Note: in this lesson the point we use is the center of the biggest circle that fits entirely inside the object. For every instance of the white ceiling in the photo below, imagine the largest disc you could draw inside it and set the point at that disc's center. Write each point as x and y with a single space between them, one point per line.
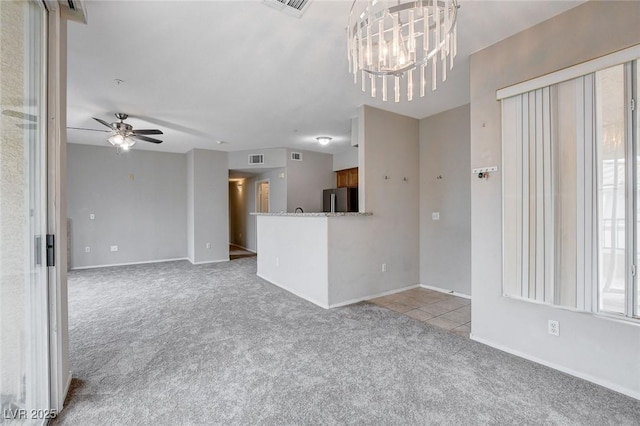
246 74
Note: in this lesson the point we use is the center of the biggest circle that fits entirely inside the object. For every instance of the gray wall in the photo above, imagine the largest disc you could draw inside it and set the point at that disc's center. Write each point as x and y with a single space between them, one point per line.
294 184
190 206
389 146
273 157
277 200
139 202
210 206
300 184
445 244
347 159
589 346
307 178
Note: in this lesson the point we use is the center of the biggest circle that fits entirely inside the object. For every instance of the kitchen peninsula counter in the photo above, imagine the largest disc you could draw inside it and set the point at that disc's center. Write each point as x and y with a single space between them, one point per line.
325 258
314 214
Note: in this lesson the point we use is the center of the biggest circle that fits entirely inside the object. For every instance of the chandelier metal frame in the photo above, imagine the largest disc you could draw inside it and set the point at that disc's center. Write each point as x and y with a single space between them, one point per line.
392 39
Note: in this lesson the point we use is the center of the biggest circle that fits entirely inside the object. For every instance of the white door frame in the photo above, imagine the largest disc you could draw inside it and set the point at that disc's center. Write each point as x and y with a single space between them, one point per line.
60 376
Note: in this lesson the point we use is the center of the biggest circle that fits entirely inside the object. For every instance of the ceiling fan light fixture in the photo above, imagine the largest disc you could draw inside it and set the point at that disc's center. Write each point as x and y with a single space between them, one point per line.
324 140
116 140
124 136
128 143
120 141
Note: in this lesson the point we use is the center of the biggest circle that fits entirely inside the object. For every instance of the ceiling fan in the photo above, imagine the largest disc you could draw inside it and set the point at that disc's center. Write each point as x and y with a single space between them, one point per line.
124 134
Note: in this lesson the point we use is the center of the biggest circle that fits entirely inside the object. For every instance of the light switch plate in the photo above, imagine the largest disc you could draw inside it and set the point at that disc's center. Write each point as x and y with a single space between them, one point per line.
92 216
435 216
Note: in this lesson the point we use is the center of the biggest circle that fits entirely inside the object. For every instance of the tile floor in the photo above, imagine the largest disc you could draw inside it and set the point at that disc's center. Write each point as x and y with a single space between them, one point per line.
442 310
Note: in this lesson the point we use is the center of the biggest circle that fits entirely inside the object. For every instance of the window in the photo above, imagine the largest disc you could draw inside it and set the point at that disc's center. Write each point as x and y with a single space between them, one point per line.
636 193
571 189
611 143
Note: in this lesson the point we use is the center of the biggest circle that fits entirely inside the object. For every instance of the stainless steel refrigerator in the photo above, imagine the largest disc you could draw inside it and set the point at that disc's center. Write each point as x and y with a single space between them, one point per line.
346 199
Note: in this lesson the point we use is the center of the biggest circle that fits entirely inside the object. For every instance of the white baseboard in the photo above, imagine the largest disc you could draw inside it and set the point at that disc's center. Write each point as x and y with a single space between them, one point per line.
605 383
66 388
375 296
128 263
444 290
346 302
208 261
302 296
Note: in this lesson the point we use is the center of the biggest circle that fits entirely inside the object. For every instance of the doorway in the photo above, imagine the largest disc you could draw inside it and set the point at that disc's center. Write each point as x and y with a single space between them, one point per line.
262 196
238 215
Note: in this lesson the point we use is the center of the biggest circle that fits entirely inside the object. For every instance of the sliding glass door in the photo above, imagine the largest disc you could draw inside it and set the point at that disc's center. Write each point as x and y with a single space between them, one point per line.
24 359
611 146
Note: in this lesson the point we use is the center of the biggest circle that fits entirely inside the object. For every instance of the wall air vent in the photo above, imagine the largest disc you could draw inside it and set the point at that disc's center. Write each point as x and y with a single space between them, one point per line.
290 7
296 156
256 159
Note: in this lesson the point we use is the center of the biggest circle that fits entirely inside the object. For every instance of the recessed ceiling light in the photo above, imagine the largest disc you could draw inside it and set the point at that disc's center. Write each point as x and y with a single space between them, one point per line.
324 140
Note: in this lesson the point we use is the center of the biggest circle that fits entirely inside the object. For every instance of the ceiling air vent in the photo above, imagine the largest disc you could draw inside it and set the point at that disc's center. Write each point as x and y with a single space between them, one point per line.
296 156
290 7
256 159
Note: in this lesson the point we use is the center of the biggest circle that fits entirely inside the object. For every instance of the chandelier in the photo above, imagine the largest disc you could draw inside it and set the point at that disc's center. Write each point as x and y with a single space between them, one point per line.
399 40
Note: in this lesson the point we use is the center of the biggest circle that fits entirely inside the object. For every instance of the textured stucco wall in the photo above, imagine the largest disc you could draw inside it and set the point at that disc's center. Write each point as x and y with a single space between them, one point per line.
13 220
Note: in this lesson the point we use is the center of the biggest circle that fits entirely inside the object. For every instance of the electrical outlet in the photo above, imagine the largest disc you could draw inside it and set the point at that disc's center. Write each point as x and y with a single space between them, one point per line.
208 245
92 216
554 328
114 248
384 267
435 216
87 249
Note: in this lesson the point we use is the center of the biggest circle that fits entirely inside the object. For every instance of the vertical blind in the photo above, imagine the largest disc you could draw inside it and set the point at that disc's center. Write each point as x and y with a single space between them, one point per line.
548 162
571 186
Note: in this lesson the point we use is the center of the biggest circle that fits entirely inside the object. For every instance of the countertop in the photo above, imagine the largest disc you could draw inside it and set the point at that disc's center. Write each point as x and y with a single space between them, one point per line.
314 214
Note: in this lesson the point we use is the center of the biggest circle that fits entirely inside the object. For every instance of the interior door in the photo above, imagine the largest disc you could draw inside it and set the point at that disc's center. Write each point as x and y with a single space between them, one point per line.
262 198
24 348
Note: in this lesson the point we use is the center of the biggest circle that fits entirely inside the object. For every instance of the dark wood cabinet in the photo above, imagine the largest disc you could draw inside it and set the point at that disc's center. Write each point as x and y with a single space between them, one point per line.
347 178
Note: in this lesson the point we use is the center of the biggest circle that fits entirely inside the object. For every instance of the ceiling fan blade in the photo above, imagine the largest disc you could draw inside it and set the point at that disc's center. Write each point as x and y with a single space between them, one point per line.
147 132
170 125
91 130
146 139
103 122
20 115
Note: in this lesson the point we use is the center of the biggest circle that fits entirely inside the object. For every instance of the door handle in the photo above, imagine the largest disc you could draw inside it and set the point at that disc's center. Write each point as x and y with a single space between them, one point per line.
51 253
